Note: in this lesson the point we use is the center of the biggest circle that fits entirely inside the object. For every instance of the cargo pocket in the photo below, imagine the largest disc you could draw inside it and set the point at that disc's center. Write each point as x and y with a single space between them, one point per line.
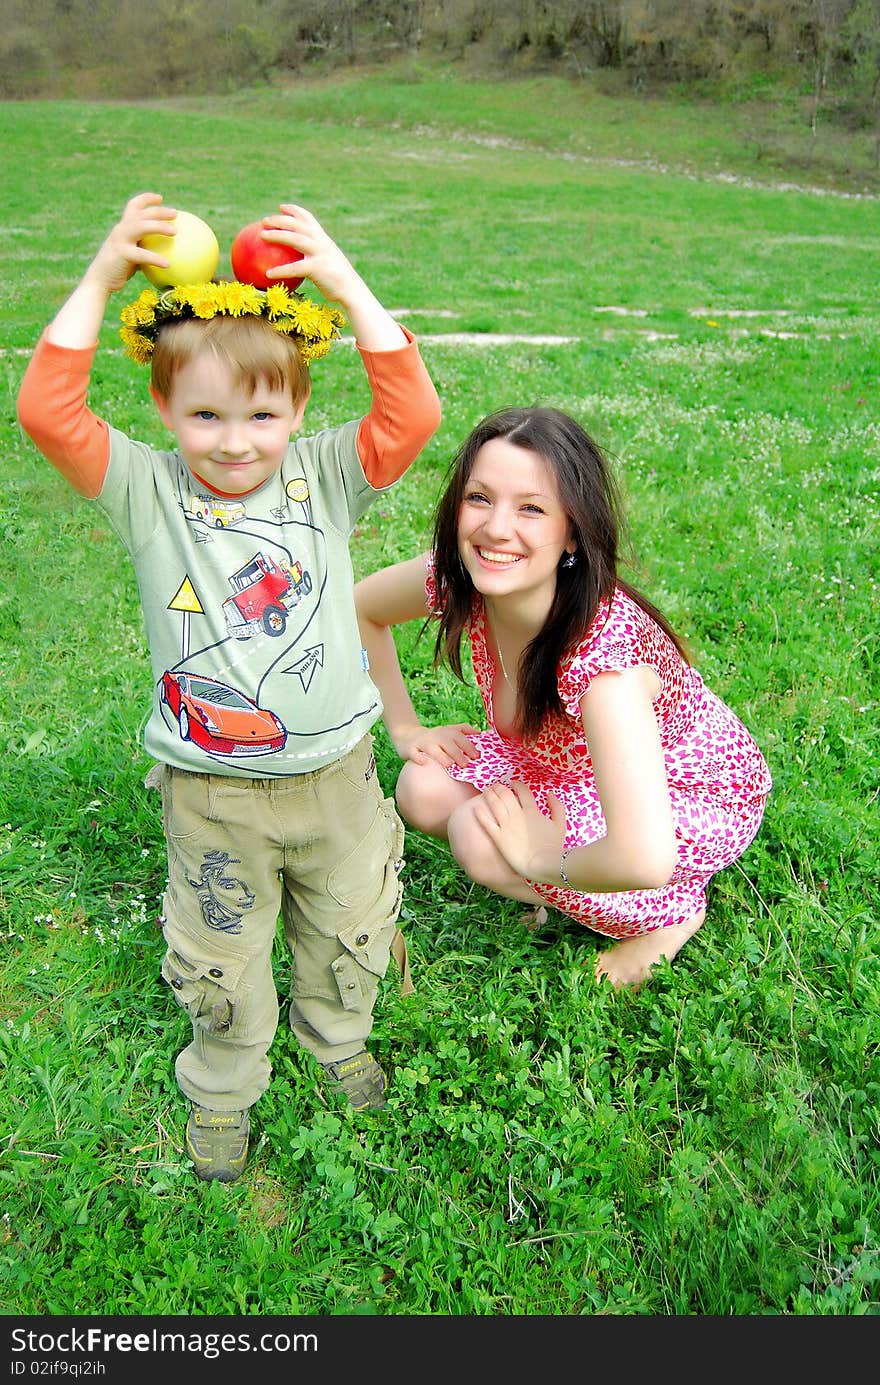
367 940
357 987
206 990
358 870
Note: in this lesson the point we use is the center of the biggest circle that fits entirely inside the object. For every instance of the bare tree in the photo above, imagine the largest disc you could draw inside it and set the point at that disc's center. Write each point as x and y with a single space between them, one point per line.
817 26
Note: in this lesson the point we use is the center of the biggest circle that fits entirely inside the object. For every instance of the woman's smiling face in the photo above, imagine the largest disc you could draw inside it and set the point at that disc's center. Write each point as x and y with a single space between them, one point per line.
512 529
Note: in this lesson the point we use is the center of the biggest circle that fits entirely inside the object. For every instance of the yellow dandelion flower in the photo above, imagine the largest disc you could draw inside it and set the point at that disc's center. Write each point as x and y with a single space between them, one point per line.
141 313
241 298
138 347
307 316
326 327
202 298
277 300
317 349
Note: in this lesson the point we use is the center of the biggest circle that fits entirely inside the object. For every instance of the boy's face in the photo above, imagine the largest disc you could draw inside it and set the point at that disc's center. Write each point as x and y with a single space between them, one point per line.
232 440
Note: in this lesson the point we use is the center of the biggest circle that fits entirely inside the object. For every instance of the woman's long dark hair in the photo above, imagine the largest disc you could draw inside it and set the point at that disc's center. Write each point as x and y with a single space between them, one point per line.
588 495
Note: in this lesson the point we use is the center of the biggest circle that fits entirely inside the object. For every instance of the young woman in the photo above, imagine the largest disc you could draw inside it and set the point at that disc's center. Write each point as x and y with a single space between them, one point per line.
611 783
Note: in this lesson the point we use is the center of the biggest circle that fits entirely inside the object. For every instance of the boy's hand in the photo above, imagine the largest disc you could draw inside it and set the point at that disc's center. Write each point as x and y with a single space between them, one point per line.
333 275
78 321
323 262
448 745
121 255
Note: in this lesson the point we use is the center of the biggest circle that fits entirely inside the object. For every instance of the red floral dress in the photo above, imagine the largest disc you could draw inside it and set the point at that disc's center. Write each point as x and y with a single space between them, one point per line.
718 778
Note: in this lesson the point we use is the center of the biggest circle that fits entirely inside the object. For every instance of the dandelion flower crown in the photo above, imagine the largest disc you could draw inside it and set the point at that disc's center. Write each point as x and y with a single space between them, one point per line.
313 326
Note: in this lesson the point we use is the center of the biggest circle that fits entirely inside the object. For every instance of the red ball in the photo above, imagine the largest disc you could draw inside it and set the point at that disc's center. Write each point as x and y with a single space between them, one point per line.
251 256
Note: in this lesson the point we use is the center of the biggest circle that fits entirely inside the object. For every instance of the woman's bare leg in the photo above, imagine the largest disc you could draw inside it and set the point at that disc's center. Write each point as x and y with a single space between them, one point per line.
482 860
428 799
628 962
426 796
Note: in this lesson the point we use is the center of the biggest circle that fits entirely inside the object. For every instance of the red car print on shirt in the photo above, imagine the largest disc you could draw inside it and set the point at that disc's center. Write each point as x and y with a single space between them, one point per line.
220 718
264 594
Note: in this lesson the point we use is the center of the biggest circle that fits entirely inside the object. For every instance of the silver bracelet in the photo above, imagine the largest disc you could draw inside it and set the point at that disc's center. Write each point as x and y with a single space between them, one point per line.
562 874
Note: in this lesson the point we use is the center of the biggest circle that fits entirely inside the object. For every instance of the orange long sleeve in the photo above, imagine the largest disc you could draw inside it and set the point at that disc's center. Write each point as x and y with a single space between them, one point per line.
404 414
52 410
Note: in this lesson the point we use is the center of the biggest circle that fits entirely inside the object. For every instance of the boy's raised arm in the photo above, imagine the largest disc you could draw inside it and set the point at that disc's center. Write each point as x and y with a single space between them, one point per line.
405 410
52 407
77 323
333 273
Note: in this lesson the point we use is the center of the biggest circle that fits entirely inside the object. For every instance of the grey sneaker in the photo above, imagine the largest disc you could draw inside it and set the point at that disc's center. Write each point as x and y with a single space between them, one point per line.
360 1079
217 1143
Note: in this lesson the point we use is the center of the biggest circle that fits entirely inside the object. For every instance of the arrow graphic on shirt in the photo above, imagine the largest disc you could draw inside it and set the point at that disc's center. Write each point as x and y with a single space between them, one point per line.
186 601
305 667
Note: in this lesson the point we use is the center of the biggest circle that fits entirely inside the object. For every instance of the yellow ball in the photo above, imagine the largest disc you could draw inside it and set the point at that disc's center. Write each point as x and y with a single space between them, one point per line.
193 253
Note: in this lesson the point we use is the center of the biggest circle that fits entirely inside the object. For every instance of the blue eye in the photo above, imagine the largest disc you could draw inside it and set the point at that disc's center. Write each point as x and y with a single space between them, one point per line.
205 414
261 415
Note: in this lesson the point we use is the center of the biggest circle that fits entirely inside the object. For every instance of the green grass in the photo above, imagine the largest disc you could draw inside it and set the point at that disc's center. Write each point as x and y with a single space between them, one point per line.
708 1146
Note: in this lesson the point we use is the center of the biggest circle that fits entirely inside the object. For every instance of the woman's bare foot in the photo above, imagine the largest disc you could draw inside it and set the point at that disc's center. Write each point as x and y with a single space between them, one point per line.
628 963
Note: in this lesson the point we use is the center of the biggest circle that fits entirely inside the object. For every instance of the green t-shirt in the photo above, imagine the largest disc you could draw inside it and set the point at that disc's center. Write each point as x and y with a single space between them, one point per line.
258 669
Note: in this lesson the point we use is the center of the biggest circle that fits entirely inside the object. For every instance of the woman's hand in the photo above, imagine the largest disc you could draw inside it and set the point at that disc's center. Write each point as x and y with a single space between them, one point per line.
530 842
448 745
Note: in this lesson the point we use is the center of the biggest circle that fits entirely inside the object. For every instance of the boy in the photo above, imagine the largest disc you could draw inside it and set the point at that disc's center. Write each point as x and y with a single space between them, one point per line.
262 705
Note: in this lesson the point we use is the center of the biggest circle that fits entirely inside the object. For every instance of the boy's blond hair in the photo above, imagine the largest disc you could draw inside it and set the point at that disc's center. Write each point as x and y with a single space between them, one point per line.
255 353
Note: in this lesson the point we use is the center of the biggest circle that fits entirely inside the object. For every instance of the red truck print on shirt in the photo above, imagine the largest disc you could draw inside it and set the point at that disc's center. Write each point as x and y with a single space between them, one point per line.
264 594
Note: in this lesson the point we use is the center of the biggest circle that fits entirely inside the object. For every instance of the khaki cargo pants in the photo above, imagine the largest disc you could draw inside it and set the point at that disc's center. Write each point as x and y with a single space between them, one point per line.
323 850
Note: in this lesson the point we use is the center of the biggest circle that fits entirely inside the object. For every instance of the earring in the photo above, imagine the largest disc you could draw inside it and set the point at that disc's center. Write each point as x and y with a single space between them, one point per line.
569 560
